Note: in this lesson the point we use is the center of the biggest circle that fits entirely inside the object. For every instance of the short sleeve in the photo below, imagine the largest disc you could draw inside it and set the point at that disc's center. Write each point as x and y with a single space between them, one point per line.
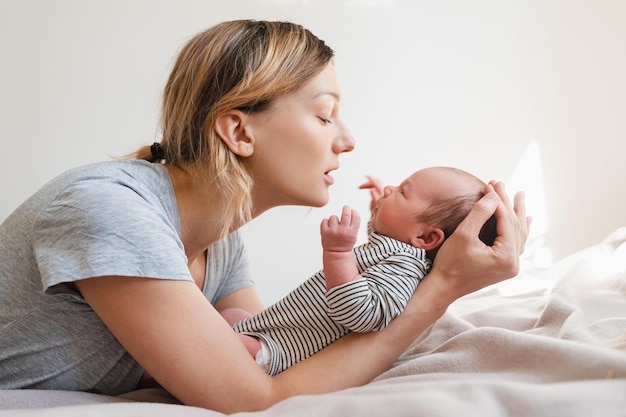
228 268
103 226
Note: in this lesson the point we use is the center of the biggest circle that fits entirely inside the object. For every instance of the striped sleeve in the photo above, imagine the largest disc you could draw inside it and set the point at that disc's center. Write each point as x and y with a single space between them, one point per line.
370 303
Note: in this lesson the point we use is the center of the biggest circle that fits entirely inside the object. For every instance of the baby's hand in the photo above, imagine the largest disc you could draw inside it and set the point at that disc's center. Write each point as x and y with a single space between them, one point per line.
375 187
340 234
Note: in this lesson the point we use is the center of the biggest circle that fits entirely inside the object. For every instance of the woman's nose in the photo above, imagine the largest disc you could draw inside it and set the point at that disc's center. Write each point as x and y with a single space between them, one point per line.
345 142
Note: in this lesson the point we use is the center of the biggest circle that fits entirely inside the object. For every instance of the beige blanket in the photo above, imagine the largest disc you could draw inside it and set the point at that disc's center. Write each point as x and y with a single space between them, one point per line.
558 349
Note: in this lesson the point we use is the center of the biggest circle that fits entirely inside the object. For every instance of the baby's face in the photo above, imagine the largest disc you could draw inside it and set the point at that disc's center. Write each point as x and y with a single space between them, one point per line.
395 212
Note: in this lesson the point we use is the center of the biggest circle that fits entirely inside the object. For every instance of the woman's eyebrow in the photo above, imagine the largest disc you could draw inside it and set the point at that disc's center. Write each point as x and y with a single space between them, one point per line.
323 93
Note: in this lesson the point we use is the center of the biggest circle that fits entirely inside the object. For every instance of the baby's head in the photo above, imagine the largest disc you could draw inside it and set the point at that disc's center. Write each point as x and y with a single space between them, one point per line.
428 206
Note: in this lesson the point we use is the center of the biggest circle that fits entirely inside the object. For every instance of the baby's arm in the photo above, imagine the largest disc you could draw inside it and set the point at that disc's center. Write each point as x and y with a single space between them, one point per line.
370 303
338 239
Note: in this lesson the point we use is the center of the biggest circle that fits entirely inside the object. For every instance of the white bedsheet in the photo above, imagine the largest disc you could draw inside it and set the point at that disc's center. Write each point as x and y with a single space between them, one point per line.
558 349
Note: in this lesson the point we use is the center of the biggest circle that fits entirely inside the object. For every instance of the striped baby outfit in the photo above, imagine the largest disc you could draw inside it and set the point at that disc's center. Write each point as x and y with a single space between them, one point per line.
310 318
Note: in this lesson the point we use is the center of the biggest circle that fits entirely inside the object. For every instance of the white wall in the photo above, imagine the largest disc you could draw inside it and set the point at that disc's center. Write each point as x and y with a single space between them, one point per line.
454 82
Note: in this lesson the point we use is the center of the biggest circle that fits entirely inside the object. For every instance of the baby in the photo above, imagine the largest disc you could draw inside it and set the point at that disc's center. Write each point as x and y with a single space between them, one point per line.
361 289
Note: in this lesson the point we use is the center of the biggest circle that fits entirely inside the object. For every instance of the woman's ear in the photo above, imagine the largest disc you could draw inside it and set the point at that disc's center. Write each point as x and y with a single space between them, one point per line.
229 126
428 238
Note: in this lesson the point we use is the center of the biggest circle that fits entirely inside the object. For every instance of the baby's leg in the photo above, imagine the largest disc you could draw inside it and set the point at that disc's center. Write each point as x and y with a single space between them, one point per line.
232 316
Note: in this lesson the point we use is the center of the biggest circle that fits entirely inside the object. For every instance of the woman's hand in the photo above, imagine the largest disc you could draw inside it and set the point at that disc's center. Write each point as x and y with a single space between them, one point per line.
465 264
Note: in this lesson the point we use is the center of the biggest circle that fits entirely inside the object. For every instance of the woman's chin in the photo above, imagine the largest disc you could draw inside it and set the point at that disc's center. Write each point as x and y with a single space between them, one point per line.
320 201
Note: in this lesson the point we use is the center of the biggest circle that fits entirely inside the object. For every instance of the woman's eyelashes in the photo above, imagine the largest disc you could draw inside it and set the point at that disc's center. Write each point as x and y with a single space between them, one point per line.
326 114
324 120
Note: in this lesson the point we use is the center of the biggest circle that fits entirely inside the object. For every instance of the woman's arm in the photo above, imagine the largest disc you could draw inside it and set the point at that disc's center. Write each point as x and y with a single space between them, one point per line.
245 299
180 339
172 330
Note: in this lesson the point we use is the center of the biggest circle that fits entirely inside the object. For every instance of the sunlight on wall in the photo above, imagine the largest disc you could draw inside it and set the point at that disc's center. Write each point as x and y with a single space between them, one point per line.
528 177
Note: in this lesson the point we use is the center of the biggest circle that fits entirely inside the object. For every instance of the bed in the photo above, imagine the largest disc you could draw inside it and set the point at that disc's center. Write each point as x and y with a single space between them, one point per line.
551 342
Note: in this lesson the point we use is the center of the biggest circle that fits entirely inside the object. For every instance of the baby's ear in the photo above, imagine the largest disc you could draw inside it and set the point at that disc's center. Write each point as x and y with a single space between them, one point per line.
230 127
428 238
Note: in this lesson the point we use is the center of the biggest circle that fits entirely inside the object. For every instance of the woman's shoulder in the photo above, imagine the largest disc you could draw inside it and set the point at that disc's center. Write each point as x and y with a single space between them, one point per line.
120 182
110 183
141 175
118 169
138 176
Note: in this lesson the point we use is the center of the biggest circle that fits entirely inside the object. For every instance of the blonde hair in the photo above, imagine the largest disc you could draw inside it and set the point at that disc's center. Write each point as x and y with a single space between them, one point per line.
242 64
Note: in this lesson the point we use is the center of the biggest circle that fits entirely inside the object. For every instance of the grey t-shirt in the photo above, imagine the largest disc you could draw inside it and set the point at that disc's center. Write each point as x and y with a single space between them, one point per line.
117 218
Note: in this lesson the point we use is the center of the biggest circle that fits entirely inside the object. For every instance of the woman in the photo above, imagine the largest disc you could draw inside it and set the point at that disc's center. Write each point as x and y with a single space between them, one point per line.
138 257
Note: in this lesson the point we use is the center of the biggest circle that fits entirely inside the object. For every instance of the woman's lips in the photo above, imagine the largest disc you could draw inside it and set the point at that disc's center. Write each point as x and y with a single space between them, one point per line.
329 179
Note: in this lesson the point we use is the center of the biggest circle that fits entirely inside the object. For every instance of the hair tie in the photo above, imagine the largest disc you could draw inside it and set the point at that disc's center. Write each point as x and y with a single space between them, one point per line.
158 154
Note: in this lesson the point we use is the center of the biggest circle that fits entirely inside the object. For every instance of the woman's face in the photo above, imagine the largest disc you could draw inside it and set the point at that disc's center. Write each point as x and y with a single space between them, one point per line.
297 143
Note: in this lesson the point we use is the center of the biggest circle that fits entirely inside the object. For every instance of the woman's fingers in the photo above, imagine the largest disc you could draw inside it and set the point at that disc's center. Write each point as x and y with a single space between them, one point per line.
499 188
523 223
480 213
511 218
466 262
524 220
